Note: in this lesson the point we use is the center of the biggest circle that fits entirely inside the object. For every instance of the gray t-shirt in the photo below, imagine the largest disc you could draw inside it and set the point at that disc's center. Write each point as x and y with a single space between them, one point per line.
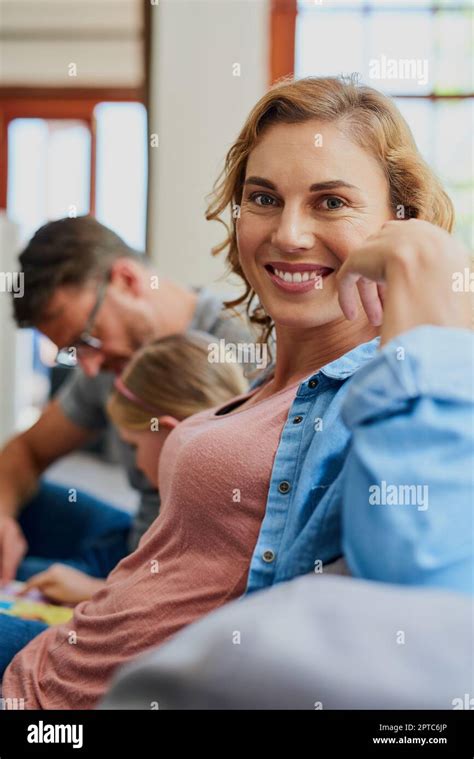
83 400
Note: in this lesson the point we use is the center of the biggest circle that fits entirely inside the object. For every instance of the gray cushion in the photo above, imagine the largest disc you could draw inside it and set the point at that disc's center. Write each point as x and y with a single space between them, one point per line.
316 642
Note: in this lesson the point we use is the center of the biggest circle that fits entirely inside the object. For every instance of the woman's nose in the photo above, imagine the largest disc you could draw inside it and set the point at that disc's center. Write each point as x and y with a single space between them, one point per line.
293 231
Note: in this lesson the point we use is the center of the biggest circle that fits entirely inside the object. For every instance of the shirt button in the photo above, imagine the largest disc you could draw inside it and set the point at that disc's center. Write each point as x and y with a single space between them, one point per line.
284 486
268 556
313 383
297 419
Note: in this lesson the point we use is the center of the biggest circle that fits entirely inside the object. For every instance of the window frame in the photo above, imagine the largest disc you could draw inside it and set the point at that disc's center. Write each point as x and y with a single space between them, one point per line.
69 103
61 104
283 16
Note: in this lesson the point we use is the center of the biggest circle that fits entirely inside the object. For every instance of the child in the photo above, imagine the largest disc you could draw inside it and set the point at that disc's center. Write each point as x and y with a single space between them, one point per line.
166 381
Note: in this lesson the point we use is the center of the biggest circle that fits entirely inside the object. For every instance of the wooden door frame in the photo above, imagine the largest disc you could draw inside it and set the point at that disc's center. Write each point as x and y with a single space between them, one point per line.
282 39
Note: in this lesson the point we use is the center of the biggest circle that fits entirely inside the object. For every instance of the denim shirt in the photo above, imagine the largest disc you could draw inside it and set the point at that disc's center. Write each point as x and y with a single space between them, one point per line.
406 418
301 529
408 502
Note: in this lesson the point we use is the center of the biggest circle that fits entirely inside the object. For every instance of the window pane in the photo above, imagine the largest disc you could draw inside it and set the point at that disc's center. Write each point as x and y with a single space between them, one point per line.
453 157
377 4
463 200
442 131
400 52
456 3
27 155
69 169
419 115
323 4
122 170
405 4
48 171
454 72
328 43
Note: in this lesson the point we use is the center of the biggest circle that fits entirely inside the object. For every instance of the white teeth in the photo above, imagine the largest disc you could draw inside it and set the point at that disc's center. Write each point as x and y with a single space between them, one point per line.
297 276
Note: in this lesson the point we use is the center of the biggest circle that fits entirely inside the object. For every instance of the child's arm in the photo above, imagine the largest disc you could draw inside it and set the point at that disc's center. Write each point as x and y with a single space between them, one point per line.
64 584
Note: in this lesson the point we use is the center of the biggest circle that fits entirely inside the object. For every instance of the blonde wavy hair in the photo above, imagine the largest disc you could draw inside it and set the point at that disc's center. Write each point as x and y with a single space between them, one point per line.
174 376
368 118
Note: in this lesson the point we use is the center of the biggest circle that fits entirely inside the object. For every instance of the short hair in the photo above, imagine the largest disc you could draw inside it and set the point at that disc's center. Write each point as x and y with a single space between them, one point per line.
69 251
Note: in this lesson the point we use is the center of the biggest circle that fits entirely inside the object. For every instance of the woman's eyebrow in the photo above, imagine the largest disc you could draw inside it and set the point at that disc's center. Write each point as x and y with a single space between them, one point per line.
260 181
331 184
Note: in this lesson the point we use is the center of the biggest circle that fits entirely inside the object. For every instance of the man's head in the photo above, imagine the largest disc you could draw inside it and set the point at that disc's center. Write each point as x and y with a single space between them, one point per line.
81 277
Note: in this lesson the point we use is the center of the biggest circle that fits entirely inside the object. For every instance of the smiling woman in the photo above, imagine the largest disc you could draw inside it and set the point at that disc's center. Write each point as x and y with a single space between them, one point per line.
268 496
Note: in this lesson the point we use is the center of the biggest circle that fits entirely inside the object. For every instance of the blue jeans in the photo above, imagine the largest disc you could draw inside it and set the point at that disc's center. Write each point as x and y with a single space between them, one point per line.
87 534
15 634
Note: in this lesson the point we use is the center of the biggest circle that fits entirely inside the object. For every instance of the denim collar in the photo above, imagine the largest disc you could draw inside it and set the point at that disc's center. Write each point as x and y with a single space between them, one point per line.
342 368
348 364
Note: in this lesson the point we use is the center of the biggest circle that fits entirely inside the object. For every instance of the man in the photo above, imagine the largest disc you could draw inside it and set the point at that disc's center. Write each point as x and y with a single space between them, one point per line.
96 299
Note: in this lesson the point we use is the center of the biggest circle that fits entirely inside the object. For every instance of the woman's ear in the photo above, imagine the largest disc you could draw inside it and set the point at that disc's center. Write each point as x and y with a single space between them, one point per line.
170 422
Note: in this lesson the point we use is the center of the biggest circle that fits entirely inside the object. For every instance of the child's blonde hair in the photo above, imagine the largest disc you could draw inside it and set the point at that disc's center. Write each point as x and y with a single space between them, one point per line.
173 376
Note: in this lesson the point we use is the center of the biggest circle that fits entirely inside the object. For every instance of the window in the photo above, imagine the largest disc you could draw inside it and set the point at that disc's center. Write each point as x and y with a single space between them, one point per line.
68 154
70 160
48 171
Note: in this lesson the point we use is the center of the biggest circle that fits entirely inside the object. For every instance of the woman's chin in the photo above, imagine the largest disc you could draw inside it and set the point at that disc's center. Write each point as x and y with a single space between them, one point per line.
307 319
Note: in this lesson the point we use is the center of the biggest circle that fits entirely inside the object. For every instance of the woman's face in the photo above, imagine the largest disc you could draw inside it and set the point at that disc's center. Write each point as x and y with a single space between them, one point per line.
310 198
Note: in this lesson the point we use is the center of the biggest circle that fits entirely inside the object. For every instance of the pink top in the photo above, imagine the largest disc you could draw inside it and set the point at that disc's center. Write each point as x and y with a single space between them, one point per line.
214 479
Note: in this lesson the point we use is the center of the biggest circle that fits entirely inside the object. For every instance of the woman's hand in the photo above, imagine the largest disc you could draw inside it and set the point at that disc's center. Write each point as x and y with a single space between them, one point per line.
64 584
404 275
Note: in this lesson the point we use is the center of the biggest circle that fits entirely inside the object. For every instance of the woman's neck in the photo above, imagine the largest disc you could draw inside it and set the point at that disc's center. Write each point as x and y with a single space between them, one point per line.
302 352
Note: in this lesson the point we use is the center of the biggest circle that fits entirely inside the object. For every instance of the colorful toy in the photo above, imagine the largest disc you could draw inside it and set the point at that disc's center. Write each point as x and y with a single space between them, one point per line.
31 605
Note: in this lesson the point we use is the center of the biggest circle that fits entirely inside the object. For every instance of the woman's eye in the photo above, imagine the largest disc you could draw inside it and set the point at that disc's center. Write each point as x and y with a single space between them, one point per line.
262 200
333 203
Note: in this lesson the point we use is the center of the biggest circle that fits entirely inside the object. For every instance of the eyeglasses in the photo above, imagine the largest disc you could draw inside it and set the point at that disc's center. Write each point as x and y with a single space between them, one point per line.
68 355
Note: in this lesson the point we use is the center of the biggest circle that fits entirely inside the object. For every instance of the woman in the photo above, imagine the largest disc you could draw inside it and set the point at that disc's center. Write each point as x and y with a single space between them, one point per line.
251 492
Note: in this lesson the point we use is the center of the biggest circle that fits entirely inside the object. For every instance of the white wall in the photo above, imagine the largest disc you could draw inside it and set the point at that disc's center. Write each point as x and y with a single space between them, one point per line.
197 109
13 350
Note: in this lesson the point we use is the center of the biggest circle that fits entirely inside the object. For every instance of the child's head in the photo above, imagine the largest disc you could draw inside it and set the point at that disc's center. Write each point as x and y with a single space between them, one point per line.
165 382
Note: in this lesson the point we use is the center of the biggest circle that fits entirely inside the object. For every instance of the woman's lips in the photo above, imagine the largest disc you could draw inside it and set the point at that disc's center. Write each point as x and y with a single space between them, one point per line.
297 278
